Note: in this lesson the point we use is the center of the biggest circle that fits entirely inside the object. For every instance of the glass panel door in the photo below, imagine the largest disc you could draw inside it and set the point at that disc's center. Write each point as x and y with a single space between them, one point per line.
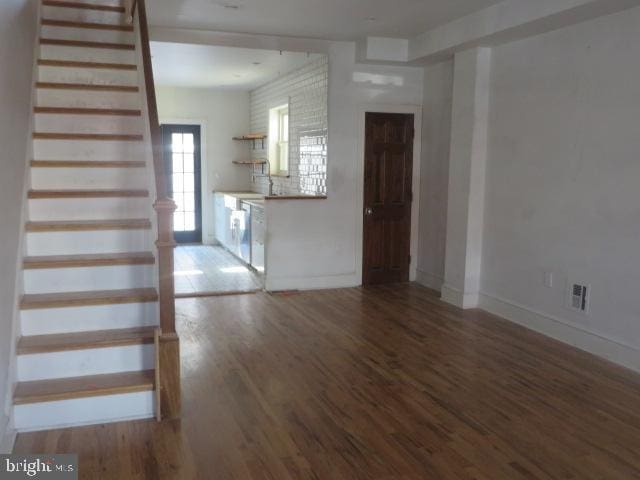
182 165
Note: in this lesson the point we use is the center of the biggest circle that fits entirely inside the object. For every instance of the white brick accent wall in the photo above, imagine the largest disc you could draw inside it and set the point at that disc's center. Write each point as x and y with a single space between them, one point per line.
305 90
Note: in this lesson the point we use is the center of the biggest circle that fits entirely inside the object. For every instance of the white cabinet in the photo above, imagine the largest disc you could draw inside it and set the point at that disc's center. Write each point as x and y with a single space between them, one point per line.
258 233
223 222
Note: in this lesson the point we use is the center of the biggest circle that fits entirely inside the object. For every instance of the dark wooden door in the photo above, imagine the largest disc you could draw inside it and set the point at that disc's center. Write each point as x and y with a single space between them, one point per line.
182 164
388 172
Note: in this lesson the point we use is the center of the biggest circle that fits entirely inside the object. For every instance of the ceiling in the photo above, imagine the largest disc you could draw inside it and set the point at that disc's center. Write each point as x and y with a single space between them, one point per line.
205 66
325 19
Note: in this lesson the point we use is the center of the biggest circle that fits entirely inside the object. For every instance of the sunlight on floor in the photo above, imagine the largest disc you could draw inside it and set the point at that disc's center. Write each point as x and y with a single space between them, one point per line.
185 273
234 270
212 269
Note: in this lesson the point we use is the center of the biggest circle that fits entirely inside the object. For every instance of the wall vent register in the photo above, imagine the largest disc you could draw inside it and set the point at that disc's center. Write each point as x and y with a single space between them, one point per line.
579 297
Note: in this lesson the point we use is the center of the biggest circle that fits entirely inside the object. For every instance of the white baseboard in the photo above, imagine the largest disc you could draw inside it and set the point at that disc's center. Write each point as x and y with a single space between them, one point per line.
561 330
7 435
429 280
276 284
459 299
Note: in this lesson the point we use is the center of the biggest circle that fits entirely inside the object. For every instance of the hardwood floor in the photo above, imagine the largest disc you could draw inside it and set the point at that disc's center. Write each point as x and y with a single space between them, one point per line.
384 383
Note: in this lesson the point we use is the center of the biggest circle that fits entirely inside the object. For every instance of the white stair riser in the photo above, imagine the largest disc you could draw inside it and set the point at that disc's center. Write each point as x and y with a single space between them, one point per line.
115 277
85 54
81 15
88 208
108 241
104 124
103 178
77 363
88 150
87 34
114 3
87 98
83 411
94 76
48 321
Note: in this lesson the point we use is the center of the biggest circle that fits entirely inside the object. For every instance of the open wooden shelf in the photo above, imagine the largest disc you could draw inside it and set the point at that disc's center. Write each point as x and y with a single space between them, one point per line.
252 137
250 162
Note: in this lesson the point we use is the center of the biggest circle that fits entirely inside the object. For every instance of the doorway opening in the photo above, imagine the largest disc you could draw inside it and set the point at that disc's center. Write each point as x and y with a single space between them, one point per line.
387 191
200 270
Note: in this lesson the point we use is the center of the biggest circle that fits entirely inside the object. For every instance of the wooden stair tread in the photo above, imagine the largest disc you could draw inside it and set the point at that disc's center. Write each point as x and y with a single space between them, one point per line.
89 225
87 164
64 342
87 86
91 260
86 44
41 194
82 387
89 111
86 25
112 137
77 64
83 6
93 297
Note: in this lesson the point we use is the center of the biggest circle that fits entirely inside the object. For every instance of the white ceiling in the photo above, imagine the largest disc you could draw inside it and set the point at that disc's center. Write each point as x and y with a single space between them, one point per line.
326 19
205 66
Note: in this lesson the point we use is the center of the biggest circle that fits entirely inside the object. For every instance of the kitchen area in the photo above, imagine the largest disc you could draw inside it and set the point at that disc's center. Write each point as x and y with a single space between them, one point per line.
261 143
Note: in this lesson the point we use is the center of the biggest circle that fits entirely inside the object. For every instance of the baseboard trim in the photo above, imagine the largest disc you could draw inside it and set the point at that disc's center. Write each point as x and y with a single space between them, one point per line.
559 329
459 299
277 284
7 435
433 282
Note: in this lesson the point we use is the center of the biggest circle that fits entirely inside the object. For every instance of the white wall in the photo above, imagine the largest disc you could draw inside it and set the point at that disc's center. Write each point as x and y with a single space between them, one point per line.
436 135
223 114
17 35
563 191
317 243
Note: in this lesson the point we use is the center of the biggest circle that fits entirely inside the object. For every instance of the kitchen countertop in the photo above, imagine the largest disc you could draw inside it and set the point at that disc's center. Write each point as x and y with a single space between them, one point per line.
260 198
296 197
255 203
242 195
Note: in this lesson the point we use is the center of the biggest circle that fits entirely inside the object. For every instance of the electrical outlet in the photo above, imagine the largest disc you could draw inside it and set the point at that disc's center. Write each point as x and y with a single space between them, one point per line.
548 279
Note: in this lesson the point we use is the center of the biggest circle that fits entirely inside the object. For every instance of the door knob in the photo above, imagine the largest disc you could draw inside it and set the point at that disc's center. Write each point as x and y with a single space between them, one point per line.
368 211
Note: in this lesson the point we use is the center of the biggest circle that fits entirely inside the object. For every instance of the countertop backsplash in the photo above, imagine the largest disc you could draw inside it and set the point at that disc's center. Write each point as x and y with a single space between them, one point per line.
306 89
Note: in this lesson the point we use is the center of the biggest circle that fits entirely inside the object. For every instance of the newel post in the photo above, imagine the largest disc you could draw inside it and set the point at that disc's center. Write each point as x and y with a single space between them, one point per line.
167 342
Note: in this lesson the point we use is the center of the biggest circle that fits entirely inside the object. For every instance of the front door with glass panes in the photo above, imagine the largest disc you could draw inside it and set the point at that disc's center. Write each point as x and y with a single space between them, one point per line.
182 164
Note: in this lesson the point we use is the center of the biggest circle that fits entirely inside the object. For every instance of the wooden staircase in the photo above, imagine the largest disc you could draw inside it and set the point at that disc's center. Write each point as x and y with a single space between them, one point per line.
97 321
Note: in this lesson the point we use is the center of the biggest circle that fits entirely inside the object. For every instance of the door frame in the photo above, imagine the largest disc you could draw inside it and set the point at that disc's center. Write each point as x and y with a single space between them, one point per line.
206 196
416 110
199 198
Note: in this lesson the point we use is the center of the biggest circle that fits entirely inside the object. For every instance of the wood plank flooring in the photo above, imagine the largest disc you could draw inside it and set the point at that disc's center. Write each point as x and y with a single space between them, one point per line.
384 383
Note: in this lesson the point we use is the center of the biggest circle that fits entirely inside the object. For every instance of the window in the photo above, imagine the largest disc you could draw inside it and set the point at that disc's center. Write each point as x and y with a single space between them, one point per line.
279 140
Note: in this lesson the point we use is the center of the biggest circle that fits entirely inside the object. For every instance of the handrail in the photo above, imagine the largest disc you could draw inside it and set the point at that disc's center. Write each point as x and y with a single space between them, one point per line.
156 135
167 351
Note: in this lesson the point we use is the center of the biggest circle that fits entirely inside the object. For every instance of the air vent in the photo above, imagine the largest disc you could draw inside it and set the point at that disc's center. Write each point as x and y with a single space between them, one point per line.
578 298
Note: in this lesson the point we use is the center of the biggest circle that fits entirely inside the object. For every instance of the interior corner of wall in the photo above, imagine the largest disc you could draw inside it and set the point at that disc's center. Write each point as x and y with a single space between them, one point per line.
429 280
7 434
460 299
